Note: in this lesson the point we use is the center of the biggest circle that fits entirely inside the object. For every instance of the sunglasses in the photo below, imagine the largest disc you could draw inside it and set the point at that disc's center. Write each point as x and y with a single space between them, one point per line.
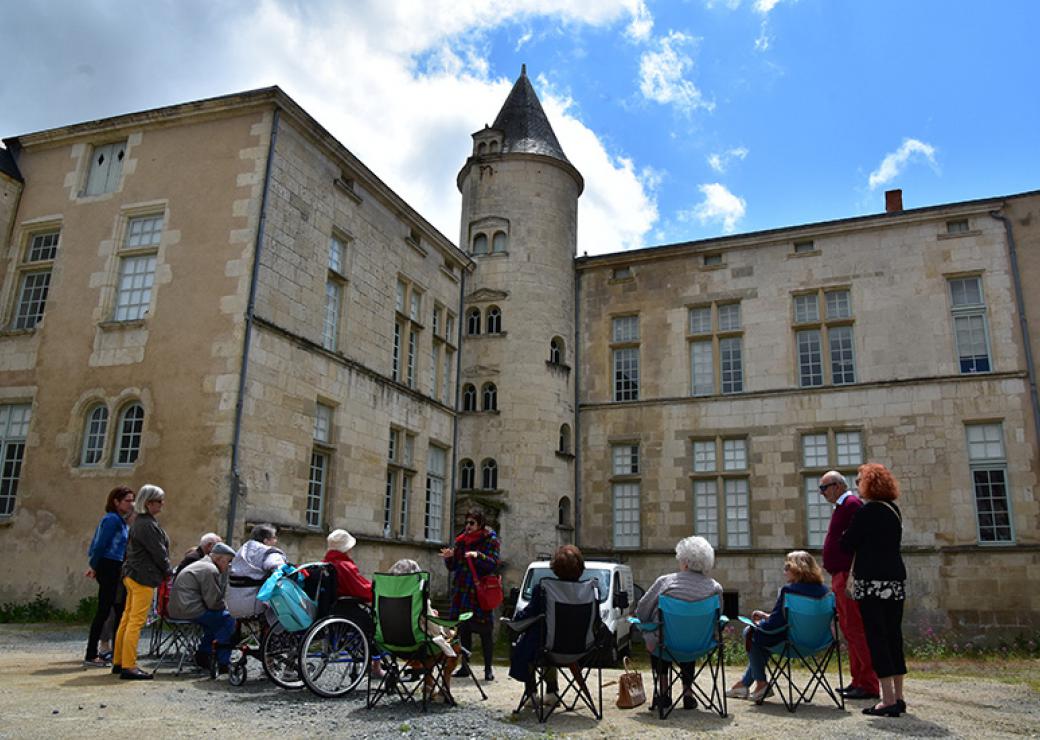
471 521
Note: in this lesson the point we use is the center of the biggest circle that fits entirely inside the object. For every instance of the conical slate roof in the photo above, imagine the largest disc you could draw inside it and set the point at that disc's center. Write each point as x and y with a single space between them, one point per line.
524 125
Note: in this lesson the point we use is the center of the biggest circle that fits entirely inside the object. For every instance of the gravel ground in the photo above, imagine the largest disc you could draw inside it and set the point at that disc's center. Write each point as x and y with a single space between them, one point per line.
45 693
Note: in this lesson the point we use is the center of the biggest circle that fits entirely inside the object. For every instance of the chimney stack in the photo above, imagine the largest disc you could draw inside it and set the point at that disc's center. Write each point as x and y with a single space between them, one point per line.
893 201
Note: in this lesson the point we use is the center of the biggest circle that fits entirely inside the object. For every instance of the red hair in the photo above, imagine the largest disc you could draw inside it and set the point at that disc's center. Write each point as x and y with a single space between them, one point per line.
877 482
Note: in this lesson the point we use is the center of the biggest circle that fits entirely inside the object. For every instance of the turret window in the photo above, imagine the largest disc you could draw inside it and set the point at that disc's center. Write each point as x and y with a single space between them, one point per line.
469 397
499 242
494 320
489 475
556 351
467 475
490 397
565 439
473 321
480 244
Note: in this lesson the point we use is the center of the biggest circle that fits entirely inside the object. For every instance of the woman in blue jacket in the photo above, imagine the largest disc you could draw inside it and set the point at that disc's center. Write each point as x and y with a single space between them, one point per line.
804 578
107 550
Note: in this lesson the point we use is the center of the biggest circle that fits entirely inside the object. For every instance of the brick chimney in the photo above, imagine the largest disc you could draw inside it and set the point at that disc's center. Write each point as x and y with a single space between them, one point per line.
893 201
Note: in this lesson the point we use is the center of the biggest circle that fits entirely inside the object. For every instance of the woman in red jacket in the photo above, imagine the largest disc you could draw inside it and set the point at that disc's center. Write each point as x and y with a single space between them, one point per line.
350 582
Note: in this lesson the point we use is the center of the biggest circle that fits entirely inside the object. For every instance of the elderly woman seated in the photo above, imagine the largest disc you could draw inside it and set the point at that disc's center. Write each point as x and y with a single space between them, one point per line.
690 583
253 563
803 577
443 637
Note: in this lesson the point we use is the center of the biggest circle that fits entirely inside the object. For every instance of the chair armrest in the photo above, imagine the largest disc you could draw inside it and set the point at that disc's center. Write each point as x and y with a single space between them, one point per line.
521 625
443 622
777 631
643 626
723 620
746 621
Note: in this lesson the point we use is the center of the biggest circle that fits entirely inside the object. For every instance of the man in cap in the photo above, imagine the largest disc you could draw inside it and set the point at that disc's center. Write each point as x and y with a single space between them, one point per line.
195 554
198 595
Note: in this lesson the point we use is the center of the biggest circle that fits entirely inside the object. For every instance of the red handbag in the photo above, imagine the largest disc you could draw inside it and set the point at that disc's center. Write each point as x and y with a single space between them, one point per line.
489 588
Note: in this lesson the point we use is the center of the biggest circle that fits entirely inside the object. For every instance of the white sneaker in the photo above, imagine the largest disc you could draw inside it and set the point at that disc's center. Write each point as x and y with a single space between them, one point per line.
759 696
739 692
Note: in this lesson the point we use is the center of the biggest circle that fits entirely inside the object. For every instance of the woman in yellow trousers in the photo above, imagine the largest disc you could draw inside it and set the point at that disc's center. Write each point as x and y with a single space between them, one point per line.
147 565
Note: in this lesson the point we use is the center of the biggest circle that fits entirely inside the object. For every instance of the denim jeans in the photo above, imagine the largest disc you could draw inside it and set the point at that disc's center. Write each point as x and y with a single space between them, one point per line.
218 626
756 670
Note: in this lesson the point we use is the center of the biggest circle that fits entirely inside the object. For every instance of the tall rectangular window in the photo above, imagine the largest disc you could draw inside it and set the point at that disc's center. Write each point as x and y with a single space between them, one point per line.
969 324
625 357
105 169
35 270
396 366
137 267
434 511
407 336
14 428
413 342
335 292
989 477
625 488
400 472
824 344
321 461
716 331
724 489
823 450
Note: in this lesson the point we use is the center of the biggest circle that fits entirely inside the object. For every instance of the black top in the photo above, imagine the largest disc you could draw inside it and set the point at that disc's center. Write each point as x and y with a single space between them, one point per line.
524 125
874 537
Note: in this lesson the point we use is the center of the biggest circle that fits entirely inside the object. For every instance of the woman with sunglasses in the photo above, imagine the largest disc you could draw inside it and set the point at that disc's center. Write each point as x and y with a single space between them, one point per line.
479 546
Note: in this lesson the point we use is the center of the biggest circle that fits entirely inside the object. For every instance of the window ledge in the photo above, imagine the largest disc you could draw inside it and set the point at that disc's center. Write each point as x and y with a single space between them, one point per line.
958 235
490 254
133 324
799 255
454 276
18 332
564 528
709 268
558 366
7 521
344 187
564 455
620 281
415 246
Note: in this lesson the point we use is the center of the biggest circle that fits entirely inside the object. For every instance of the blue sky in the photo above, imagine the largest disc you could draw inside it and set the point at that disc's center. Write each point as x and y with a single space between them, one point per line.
688 118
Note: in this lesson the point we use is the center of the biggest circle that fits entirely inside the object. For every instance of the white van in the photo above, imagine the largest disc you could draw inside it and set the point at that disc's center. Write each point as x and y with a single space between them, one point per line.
617 593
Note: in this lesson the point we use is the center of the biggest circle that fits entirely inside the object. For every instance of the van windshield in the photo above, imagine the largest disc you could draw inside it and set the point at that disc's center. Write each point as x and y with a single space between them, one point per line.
600 575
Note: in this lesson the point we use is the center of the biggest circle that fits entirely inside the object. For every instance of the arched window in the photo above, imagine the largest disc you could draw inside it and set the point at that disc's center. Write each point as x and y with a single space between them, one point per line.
565 438
498 243
489 475
128 440
494 320
564 512
556 351
469 397
490 394
494 147
94 430
481 148
473 321
480 244
467 475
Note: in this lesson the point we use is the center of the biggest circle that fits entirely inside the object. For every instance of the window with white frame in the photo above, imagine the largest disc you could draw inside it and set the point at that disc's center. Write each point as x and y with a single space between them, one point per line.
987 459
824 339
137 267
128 435
320 471
441 354
105 168
716 331
433 518
407 337
821 451
95 430
335 291
970 327
625 357
730 479
14 429
400 473
35 279
625 490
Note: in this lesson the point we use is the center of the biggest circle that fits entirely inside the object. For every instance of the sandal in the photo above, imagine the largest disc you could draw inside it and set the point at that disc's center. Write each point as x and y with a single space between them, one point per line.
97 662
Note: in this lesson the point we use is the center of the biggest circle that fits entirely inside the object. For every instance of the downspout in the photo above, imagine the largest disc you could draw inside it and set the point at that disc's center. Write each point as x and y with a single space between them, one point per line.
236 477
1023 324
577 410
455 417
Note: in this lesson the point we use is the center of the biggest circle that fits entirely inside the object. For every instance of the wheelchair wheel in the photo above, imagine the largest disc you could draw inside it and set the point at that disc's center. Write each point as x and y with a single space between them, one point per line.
279 656
334 656
237 670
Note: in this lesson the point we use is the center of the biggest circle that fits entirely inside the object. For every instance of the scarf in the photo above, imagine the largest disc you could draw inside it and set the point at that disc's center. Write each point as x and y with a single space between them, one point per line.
471 540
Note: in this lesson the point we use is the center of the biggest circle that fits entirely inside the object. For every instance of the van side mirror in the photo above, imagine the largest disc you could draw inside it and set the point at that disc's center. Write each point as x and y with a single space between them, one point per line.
514 595
621 600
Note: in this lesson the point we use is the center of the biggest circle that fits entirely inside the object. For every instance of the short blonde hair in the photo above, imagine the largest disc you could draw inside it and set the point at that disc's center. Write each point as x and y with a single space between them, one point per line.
146 495
804 567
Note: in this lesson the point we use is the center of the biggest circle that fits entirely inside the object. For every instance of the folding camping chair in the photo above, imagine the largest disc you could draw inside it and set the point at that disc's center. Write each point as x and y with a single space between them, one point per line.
689 632
172 641
570 632
811 641
413 665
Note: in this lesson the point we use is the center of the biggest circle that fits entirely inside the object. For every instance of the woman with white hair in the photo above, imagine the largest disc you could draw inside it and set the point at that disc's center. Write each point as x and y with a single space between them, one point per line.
253 563
147 565
690 583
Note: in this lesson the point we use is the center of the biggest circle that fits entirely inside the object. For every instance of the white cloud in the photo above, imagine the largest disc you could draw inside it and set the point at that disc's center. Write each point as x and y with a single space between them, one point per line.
662 75
719 161
764 40
895 162
764 6
642 22
719 206
730 4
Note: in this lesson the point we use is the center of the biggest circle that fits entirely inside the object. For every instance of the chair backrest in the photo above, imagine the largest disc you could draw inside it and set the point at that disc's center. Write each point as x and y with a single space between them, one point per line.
689 627
399 602
571 613
809 621
319 582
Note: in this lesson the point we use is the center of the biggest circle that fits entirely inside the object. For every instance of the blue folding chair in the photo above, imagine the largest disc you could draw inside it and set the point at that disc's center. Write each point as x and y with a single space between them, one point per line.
811 640
690 632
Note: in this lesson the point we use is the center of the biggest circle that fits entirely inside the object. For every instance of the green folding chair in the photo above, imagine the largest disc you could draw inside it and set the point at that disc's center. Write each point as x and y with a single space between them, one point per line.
400 613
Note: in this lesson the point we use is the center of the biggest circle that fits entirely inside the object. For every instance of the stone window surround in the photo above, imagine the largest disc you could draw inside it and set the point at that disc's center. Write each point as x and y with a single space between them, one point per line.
822 325
720 473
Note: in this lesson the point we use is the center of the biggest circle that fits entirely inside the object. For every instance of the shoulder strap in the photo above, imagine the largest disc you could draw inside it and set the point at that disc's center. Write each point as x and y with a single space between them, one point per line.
893 510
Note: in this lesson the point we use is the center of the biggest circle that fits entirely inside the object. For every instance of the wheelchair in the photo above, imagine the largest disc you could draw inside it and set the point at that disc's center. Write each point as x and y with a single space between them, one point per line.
336 651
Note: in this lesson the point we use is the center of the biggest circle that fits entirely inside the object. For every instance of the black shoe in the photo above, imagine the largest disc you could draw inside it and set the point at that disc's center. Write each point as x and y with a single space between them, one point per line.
135 674
892 710
689 702
661 702
902 706
461 673
116 669
202 660
488 675
855 692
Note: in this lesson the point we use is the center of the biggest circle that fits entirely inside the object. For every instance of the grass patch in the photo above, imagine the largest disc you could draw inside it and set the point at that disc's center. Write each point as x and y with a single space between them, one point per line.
42 609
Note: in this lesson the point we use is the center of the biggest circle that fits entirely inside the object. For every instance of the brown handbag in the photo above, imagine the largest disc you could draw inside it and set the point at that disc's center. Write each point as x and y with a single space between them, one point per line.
630 689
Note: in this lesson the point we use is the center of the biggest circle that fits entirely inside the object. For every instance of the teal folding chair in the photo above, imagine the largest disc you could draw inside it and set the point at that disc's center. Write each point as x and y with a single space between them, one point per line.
690 632
811 641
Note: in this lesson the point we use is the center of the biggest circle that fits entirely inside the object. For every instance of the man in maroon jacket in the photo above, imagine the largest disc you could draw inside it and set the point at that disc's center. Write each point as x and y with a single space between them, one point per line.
837 562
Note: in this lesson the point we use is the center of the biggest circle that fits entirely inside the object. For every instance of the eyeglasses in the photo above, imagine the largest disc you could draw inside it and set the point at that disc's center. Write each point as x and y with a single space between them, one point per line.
471 521
825 486
856 481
